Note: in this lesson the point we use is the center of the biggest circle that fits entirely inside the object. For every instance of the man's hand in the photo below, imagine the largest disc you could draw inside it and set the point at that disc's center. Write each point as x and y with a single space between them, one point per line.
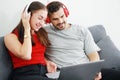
98 76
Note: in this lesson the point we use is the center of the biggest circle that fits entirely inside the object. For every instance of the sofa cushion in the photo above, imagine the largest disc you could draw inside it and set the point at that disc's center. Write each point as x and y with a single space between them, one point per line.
109 52
98 32
5 61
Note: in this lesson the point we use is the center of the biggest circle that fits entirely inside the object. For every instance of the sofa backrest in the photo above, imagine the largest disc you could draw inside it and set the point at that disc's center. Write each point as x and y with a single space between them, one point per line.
98 32
5 61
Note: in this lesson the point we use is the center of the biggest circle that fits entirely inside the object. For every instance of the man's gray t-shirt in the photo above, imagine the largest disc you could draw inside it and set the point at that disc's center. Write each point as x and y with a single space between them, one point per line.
70 46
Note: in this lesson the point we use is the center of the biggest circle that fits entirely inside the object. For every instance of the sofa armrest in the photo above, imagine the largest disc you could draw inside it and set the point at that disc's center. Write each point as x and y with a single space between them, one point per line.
109 52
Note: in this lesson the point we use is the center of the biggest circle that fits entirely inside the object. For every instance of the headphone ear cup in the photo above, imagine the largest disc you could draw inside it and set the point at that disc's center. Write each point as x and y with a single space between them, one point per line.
47 20
65 11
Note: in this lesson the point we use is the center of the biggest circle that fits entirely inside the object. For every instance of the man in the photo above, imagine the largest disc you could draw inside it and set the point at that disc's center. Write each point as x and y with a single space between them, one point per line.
70 44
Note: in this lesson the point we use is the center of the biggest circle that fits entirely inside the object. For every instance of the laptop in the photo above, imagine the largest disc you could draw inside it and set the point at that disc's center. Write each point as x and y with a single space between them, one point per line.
85 71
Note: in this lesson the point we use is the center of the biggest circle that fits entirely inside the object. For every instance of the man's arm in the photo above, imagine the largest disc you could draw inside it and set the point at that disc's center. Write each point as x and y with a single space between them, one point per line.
94 56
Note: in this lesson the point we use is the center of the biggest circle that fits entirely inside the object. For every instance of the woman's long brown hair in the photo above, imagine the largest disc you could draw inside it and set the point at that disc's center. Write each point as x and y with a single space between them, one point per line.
41 33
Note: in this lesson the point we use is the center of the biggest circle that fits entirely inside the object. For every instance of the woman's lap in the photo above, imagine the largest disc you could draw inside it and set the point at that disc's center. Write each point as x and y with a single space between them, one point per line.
32 72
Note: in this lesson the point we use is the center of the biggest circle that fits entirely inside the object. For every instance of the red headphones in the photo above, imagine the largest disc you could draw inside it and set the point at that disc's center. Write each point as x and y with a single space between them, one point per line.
65 11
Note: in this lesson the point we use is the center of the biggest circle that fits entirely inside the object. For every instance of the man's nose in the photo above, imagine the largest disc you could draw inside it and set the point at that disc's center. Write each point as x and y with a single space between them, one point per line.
60 20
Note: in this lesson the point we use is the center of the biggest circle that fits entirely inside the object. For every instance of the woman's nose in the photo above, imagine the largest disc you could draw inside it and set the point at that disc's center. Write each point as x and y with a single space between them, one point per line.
42 22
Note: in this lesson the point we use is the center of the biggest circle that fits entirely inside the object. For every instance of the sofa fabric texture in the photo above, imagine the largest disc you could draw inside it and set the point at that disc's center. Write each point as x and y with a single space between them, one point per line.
5 61
109 52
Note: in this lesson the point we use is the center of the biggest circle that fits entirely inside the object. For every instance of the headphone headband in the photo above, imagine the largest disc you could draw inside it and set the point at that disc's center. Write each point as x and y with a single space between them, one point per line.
27 7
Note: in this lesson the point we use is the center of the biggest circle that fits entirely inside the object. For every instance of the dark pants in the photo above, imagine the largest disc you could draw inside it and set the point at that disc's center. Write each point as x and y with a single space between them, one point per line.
31 72
110 74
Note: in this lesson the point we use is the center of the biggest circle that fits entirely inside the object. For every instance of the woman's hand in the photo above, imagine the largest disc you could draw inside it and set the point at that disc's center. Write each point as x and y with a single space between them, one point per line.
51 66
26 20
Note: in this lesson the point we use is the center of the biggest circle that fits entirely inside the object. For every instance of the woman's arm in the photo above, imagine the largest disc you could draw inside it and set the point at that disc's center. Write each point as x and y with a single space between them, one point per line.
23 50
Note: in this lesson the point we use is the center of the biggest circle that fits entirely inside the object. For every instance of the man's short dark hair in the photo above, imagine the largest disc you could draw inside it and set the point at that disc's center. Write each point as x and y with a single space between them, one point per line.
54 6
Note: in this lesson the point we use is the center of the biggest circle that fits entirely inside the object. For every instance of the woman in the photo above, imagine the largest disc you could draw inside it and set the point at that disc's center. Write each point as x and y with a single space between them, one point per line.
27 44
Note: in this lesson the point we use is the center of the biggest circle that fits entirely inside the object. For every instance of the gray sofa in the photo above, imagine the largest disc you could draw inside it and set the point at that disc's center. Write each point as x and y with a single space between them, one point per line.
109 52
